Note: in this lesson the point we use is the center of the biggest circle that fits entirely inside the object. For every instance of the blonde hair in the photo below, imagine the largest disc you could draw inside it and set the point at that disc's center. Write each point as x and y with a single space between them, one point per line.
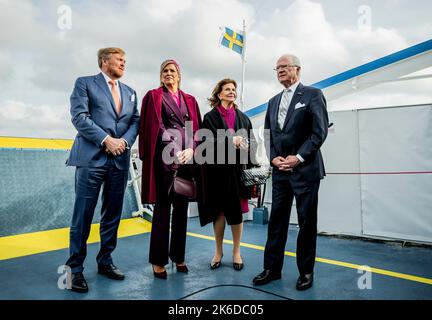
163 66
105 54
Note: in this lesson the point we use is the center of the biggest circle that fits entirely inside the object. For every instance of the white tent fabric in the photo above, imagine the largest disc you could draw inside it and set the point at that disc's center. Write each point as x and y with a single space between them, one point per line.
379 183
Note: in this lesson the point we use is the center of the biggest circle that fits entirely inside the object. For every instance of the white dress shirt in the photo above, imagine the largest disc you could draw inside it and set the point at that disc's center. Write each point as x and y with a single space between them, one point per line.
290 91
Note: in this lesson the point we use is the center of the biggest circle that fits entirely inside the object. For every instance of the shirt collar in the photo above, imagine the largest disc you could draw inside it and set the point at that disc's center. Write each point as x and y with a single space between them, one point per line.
108 79
174 94
293 87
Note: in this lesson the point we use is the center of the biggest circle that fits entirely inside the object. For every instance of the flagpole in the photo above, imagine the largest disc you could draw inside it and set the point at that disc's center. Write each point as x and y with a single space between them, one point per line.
243 66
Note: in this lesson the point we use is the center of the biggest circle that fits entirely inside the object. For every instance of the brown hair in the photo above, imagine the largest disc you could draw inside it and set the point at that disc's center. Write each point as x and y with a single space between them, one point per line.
105 53
214 99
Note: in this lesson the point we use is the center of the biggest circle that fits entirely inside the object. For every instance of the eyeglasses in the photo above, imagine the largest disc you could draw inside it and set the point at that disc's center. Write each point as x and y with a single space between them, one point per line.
284 66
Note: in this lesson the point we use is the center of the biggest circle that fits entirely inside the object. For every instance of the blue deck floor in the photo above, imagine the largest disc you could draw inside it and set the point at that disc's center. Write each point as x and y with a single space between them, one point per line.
35 277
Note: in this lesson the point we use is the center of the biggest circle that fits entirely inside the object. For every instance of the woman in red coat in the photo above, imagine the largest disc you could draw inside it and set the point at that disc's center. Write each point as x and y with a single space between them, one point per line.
169 120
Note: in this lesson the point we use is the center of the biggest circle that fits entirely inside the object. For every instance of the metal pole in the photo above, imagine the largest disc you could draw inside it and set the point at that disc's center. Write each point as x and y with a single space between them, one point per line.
243 66
134 182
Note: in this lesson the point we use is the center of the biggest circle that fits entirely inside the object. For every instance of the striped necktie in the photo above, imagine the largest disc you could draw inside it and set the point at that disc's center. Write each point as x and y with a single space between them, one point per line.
283 107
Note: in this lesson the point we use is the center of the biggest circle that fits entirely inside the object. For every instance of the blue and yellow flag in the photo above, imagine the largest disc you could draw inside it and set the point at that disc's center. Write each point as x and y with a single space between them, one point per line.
232 40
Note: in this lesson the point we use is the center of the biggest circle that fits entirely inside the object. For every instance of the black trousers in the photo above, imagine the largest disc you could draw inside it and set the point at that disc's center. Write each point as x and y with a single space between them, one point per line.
88 182
161 248
307 205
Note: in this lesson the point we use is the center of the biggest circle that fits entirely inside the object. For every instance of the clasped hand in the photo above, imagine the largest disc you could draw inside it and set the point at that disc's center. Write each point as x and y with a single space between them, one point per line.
286 164
240 142
185 156
114 146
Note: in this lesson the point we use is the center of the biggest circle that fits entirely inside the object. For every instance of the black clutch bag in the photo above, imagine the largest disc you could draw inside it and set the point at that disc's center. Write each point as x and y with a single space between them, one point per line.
255 176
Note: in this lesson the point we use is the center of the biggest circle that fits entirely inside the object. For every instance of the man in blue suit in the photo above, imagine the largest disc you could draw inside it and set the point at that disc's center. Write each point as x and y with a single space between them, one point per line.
297 121
104 112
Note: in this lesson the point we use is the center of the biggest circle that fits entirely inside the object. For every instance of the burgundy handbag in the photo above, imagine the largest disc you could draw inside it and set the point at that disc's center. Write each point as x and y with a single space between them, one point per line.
184 187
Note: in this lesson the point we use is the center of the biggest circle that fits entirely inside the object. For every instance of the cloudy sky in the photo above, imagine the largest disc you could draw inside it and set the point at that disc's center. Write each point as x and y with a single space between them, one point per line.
43 51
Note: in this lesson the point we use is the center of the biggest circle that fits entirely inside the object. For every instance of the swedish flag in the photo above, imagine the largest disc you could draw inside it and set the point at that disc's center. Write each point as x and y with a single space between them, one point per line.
232 40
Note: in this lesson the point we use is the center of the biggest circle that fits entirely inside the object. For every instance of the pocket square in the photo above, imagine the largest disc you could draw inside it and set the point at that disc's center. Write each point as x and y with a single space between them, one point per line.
299 105
132 98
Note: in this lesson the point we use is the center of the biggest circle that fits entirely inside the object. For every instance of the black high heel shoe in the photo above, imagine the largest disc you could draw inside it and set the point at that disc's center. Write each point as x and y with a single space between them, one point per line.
160 275
238 266
182 268
216 264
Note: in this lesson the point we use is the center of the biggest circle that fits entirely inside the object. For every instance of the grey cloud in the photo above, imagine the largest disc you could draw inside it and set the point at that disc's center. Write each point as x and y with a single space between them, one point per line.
29 120
44 60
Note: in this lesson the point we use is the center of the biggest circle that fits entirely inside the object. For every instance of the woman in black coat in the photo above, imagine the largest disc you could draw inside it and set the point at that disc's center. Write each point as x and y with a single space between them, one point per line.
225 198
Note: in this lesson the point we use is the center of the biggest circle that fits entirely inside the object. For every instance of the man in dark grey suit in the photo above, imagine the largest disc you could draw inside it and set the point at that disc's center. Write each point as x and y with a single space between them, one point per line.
297 121
104 112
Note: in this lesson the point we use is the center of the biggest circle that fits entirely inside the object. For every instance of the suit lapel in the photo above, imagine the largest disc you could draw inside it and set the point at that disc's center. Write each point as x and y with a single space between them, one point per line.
221 122
100 80
274 109
295 99
237 123
170 103
124 99
190 109
157 99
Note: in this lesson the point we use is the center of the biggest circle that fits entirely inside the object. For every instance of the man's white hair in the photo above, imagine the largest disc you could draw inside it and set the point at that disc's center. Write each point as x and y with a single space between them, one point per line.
293 58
